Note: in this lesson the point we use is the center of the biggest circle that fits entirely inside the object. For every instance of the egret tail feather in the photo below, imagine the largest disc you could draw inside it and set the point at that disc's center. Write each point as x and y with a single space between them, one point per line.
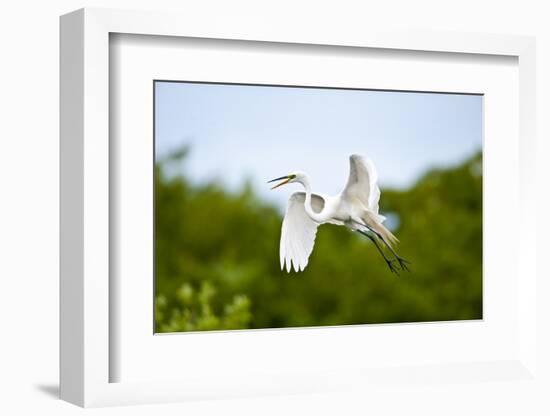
380 229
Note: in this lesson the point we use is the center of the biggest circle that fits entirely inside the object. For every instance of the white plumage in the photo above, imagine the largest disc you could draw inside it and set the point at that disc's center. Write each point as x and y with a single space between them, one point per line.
298 232
363 182
356 207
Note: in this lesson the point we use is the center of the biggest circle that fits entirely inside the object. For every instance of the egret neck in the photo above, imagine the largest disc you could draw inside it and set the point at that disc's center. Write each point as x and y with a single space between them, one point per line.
318 217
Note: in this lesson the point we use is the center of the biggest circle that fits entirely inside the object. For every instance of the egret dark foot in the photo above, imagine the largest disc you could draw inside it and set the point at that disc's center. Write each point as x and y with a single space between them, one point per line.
403 263
392 266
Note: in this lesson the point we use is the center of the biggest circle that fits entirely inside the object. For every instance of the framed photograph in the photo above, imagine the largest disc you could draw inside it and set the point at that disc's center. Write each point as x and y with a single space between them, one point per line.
266 211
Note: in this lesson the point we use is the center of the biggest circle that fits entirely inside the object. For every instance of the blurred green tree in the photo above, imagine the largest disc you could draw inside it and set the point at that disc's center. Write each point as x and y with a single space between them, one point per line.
217 264
193 311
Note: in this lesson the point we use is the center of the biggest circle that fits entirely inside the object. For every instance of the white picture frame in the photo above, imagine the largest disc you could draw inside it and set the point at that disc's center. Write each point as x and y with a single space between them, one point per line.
85 353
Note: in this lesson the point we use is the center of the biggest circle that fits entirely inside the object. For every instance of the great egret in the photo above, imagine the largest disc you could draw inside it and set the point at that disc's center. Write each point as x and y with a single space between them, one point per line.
356 208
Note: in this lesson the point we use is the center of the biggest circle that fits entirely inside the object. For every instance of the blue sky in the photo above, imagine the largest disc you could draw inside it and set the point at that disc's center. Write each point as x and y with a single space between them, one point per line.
256 133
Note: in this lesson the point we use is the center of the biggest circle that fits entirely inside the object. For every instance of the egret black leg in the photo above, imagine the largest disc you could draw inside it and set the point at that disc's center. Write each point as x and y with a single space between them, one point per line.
371 236
402 262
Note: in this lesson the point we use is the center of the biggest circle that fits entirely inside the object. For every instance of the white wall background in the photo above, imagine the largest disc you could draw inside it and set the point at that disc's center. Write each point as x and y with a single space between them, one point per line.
29 205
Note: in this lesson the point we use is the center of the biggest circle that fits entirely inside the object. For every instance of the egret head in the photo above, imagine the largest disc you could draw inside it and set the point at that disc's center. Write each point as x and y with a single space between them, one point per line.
292 178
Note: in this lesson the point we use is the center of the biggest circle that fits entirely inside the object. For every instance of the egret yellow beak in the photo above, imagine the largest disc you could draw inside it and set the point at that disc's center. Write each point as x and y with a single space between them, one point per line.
285 181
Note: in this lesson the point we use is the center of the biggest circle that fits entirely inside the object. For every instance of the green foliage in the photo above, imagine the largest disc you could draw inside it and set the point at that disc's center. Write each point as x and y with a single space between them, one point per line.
217 263
193 311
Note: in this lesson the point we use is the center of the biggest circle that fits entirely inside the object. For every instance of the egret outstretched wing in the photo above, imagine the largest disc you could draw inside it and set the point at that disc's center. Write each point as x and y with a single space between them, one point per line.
362 183
298 232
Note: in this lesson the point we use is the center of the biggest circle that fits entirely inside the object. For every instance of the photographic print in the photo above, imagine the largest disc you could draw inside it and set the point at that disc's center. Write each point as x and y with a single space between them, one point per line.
289 206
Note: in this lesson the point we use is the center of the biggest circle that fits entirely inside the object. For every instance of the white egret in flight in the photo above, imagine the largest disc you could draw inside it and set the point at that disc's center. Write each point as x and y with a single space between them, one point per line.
356 208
